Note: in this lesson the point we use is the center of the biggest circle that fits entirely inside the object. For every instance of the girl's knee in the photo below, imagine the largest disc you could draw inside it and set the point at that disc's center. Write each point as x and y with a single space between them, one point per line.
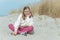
11 26
31 27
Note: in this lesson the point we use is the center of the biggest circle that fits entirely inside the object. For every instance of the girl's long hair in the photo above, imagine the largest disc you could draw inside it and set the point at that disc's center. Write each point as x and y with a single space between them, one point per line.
23 15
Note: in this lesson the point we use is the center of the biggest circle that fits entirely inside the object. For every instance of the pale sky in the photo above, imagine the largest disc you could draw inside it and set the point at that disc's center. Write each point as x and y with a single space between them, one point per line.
7 5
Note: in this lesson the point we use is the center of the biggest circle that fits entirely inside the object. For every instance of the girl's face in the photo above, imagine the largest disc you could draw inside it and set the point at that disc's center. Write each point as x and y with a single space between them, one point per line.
27 12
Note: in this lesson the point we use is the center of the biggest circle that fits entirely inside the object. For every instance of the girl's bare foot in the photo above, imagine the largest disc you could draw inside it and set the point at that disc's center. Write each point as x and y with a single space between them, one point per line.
13 34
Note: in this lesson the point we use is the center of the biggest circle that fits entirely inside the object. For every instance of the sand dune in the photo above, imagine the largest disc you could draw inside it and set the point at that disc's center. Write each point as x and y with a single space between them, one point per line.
45 28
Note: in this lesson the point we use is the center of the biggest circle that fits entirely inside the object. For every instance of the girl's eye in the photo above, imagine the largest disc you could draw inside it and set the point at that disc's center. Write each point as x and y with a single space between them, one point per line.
27 11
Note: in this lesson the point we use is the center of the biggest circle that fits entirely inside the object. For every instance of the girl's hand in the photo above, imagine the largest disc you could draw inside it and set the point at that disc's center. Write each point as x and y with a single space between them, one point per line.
14 33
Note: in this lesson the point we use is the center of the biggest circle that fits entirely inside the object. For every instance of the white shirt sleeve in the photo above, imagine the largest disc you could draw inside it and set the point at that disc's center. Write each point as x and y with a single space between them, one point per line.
17 23
28 22
31 22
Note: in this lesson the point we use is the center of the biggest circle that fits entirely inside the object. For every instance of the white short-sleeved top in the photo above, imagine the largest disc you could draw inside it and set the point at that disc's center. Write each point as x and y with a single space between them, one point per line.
27 22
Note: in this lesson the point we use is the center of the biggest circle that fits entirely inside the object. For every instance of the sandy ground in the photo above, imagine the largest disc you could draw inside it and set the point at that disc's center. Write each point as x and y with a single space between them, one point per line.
45 28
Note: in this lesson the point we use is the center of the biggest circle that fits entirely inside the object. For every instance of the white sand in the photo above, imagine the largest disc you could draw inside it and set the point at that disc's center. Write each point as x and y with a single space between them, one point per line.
46 28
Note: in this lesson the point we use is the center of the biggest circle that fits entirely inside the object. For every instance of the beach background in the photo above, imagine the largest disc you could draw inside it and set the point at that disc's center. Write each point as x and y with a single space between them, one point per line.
46 15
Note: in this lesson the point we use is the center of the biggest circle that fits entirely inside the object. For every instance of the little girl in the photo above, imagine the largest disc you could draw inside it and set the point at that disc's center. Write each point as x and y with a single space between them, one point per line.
24 23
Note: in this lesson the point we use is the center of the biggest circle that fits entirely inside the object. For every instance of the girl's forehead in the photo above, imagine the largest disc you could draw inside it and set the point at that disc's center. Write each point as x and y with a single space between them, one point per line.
26 9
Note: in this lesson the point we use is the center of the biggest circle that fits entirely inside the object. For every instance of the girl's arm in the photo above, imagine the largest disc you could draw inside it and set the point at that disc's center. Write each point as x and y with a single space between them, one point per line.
16 25
28 22
31 22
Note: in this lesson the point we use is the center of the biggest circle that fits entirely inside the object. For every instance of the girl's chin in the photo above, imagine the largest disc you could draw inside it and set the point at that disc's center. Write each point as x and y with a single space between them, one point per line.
27 15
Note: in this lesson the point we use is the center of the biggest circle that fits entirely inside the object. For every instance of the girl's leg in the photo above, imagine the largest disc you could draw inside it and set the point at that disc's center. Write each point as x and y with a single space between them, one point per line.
27 29
11 27
30 29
